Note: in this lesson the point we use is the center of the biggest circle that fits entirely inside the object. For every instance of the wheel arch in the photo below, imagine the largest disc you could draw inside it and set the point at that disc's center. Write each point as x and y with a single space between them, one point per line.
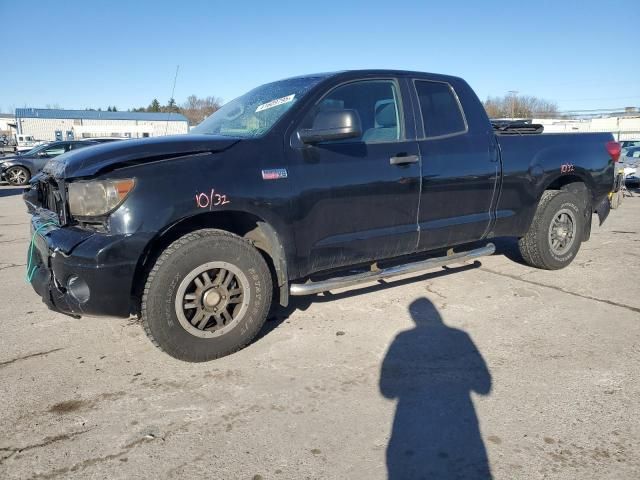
578 185
21 165
262 235
567 182
27 165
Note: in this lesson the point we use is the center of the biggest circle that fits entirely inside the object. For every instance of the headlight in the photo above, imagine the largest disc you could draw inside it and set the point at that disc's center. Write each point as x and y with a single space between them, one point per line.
98 197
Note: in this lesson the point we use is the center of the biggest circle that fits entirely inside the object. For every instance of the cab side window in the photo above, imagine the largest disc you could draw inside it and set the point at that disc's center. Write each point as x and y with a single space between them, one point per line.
441 113
55 150
377 105
78 145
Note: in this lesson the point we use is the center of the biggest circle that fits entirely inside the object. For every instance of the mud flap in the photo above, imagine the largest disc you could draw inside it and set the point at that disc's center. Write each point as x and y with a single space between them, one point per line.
603 209
588 220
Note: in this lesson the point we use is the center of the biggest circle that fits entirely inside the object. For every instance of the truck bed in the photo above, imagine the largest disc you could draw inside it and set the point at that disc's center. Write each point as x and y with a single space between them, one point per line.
530 162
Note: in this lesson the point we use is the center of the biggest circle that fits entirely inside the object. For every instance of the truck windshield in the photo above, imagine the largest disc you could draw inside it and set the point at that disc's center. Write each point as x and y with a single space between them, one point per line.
255 112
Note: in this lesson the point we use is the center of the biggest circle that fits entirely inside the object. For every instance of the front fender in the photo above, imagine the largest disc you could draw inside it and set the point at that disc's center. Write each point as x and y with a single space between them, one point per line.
27 165
207 191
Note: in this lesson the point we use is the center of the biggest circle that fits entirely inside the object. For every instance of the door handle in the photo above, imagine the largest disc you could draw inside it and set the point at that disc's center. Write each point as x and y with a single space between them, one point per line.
404 160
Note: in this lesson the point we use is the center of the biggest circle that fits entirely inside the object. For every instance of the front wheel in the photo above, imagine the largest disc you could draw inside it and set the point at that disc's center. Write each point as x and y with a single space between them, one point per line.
207 296
555 234
18 176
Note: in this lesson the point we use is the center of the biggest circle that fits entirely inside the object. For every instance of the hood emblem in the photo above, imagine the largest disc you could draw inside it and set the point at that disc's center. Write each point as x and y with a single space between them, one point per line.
274 174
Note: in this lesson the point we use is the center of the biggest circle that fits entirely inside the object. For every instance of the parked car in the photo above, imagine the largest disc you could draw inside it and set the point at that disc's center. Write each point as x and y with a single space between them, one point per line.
630 162
18 169
631 177
630 153
302 186
629 143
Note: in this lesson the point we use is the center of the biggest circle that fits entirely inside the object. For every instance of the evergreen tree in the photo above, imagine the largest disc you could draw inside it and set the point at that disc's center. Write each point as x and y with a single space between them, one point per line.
155 106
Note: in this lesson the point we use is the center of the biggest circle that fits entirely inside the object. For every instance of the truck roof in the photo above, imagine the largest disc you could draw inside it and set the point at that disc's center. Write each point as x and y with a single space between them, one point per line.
380 72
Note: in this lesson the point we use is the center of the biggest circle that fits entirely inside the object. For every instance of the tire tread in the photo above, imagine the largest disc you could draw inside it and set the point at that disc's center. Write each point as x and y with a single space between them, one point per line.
531 243
166 254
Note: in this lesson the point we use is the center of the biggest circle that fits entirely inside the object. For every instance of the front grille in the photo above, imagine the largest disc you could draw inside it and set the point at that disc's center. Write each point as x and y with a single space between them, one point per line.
51 199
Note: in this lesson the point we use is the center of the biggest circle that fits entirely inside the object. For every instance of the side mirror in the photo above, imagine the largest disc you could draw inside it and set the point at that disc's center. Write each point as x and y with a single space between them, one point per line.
332 125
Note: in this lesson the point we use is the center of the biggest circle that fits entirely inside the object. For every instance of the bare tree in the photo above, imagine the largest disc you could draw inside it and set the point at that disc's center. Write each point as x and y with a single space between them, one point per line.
520 106
197 109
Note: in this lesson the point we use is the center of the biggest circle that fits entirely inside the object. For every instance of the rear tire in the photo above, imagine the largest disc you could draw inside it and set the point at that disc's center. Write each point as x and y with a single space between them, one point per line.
207 296
556 232
18 176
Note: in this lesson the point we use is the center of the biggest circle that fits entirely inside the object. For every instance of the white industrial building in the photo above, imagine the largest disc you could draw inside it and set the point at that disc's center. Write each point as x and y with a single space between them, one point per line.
623 127
7 121
56 124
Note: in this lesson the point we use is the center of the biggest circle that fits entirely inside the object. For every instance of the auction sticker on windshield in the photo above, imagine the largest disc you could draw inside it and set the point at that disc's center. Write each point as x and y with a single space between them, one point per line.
275 103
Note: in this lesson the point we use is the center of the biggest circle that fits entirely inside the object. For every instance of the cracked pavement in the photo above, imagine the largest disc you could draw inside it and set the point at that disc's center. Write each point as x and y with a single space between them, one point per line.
92 398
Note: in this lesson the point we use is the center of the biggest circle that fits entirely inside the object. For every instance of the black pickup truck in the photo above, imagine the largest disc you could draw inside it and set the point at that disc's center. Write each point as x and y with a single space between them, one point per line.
301 186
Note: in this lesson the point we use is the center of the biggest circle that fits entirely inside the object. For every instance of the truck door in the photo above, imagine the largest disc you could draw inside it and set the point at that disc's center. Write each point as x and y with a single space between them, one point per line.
357 199
460 169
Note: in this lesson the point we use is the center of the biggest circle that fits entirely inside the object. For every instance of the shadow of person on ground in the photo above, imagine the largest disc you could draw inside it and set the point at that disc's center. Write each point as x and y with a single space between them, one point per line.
431 370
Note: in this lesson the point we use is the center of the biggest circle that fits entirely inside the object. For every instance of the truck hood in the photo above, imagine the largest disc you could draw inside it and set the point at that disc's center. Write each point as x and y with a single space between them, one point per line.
90 161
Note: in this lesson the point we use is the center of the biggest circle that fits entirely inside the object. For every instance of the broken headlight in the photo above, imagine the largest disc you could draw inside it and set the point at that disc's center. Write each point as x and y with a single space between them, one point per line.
98 197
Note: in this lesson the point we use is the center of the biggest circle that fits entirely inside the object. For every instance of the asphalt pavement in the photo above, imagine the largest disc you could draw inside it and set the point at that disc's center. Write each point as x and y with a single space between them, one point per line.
490 368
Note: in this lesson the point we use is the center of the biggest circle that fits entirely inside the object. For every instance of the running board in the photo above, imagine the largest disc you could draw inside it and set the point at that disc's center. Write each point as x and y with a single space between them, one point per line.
311 288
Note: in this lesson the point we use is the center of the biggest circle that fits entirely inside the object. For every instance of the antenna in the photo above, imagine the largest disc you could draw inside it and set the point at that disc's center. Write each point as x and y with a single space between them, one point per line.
513 94
173 91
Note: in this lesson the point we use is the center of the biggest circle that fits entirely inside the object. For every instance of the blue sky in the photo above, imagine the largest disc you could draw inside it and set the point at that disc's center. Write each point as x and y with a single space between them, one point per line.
78 54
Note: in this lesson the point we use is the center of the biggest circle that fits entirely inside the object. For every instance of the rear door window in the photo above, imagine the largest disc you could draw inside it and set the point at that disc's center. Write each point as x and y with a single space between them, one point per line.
441 112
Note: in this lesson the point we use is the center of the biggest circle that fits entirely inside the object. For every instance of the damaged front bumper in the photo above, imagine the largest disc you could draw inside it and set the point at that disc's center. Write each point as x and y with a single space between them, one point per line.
79 272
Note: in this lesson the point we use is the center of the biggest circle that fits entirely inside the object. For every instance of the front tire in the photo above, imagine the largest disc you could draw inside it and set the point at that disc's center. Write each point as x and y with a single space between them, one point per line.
556 232
207 296
18 176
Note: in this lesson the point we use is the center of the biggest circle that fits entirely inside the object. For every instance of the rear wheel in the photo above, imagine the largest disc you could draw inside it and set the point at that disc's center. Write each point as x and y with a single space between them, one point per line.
555 234
207 296
18 176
